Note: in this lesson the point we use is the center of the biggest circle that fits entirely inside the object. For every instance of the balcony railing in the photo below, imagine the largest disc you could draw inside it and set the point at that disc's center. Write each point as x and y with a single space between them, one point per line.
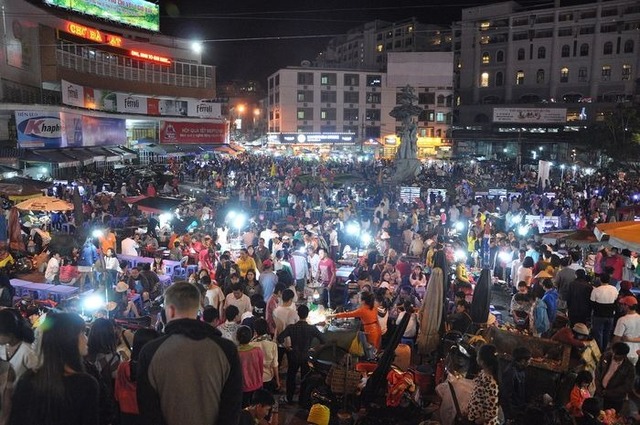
159 75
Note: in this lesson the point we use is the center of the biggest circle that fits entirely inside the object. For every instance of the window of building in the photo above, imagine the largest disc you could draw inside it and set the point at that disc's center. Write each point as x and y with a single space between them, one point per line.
519 77
374 80
606 73
584 49
350 114
351 79
328 79
540 76
485 57
351 97
521 54
379 48
609 12
328 129
350 129
328 114
589 14
566 51
305 95
305 78
564 75
305 113
607 49
542 52
484 79
565 17
499 79
628 46
500 56
372 115
587 30
328 97
565 32
626 72
607 28
397 43
373 97
582 74
440 100
426 98
440 117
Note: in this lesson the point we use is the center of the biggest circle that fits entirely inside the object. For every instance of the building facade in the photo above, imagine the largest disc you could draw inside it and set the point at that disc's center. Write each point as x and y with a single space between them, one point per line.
101 77
539 75
366 47
355 104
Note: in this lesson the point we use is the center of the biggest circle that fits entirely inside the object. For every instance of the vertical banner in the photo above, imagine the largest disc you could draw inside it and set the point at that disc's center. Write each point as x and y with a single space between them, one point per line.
72 129
72 94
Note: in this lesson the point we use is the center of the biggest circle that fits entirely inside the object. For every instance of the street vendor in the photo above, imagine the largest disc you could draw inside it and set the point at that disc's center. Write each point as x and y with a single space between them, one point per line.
368 314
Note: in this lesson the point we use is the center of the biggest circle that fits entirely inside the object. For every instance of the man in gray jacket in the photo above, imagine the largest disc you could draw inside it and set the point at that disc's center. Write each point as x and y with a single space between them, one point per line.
191 375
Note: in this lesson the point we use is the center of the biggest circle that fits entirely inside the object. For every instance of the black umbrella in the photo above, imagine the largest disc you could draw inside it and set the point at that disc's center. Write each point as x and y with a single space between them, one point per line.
481 298
158 204
77 207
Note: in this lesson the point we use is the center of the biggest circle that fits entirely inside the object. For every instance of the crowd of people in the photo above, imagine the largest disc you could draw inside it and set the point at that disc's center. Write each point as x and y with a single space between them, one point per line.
234 321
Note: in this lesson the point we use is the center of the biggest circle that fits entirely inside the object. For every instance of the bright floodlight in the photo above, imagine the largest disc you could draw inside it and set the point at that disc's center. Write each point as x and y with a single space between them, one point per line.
460 255
505 257
239 221
196 47
92 303
516 219
97 233
459 225
366 238
523 230
353 228
231 215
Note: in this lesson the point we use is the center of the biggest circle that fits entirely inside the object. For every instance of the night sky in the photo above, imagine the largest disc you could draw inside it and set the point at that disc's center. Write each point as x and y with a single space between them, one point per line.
248 25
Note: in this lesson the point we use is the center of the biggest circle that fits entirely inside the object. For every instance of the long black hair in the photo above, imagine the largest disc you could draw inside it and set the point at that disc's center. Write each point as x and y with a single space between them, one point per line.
59 349
12 323
140 339
102 338
367 298
488 357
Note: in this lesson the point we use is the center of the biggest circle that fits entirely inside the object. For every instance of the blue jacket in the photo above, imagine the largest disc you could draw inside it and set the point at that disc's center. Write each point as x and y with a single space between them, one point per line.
540 317
88 255
550 298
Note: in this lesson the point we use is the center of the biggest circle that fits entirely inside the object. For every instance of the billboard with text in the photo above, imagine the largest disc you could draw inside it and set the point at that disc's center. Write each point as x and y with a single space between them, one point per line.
180 132
530 115
136 13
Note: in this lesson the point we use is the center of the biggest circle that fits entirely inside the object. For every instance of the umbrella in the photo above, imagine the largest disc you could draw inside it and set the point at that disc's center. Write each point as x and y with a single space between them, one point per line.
19 188
44 203
481 298
623 234
15 232
580 238
77 207
26 181
431 313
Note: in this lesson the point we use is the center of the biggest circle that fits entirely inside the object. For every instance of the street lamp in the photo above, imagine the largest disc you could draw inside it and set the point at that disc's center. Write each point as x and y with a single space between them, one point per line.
196 47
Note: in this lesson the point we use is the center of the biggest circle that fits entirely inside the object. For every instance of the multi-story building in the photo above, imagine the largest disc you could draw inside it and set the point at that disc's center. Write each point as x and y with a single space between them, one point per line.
539 75
326 106
89 75
366 47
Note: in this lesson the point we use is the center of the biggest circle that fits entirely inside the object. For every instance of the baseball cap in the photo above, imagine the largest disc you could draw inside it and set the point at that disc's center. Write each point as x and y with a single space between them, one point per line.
629 300
267 263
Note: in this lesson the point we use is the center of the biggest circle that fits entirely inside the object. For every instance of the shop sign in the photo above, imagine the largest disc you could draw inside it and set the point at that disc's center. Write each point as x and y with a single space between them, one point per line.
317 138
39 129
93 34
150 57
186 132
131 104
202 109
72 94
530 115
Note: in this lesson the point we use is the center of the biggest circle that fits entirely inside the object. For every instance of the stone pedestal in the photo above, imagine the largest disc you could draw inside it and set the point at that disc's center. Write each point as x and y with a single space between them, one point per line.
406 169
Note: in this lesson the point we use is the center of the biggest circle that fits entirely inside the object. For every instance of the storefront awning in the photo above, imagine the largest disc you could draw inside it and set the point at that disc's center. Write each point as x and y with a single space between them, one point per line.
153 149
108 154
30 156
123 152
81 155
57 157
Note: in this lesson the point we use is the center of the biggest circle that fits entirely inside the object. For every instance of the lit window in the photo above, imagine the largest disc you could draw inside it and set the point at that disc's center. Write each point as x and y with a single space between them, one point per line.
520 78
439 116
379 48
484 79
485 25
485 39
626 72
606 73
410 29
485 58
564 75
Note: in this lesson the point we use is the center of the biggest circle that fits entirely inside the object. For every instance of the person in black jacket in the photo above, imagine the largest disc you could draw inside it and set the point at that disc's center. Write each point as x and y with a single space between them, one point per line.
191 375
577 295
615 376
302 335
513 385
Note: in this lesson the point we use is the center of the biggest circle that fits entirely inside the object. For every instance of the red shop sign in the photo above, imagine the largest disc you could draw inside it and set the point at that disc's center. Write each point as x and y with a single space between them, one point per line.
193 132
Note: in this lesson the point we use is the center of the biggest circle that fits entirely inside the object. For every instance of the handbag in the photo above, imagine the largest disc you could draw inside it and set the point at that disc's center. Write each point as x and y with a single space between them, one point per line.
344 380
459 419
356 348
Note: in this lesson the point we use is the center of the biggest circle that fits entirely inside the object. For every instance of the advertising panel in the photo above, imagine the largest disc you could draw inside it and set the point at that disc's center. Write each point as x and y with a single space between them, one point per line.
131 104
315 138
202 109
98 131
173 107
530 115
72 94
71 129
193 132
39 129
137 13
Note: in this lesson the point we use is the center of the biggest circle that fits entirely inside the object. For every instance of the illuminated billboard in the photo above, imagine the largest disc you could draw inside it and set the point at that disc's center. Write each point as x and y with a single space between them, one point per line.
137 13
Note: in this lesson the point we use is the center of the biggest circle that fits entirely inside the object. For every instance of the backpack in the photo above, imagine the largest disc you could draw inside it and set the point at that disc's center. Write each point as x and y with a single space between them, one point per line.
101 369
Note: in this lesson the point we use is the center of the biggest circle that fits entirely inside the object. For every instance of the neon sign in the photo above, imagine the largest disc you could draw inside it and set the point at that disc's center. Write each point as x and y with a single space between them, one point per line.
162 60
94 35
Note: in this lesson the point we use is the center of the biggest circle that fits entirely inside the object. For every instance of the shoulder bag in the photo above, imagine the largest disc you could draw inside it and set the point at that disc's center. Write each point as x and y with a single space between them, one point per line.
459 419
